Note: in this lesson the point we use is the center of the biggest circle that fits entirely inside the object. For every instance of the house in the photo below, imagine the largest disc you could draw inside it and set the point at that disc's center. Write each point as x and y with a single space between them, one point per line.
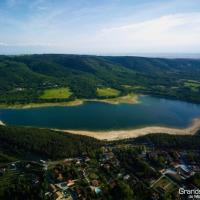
106 166
87 159
68 160
95 183
52 188
43 161
58 195
108 156
13 167
2 171
126 177
196 168
70 183
62 186
60 177
183 171
97 190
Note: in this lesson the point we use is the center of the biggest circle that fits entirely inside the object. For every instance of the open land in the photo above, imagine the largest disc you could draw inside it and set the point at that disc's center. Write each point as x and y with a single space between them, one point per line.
124 134
56 93
107 92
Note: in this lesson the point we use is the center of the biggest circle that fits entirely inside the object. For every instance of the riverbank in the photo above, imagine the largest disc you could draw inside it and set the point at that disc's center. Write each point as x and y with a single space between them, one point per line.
40 105
1 123
129 99
124 134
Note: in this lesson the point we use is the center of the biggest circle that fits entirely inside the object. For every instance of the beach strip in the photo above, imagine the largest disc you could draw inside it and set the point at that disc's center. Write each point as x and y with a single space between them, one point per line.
1 123
124 134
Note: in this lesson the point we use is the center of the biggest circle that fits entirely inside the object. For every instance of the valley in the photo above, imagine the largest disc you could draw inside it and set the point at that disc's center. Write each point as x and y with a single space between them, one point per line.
98 127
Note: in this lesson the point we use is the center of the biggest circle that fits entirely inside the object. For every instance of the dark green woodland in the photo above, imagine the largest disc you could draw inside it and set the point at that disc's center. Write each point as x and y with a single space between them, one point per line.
24 78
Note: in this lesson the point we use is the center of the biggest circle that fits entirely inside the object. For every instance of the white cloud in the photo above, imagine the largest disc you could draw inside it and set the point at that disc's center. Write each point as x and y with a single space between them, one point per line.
67 26
164 33
3 44
26 44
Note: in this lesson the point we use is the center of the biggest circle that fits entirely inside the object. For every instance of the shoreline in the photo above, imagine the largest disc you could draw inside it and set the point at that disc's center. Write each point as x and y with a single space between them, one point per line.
76 102
133 133
2 124
129 99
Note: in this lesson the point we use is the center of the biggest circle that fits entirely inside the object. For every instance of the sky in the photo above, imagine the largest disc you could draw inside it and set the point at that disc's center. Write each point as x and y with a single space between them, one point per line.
99 26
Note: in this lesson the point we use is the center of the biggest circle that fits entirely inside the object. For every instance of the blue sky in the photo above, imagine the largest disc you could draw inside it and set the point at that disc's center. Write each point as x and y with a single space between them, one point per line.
99 26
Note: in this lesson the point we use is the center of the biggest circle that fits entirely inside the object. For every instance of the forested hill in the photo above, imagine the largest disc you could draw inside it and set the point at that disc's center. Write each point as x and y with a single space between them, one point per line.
26 142
34 142
24 78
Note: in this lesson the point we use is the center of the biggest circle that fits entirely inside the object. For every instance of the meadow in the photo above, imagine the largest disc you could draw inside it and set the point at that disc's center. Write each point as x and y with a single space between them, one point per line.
56 93
107 92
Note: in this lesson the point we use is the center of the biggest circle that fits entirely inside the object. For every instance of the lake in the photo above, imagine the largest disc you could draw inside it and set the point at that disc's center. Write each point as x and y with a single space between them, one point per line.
103 116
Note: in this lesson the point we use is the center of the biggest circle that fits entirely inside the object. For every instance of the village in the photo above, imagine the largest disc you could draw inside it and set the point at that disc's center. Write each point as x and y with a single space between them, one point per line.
161 172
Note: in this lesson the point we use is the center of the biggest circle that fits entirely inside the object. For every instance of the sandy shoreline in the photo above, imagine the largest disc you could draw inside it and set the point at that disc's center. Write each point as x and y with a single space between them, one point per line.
129 99
1 123
124 134
76 102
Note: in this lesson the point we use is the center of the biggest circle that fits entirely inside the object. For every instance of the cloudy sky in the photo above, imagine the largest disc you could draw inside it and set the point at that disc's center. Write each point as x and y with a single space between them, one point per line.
99 26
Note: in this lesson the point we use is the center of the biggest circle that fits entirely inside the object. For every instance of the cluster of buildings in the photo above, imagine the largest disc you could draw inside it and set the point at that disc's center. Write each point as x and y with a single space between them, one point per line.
176 171
70 179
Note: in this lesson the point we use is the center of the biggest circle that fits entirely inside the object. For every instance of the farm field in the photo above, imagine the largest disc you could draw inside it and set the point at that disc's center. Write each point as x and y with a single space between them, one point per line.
193 85
56 93
107 92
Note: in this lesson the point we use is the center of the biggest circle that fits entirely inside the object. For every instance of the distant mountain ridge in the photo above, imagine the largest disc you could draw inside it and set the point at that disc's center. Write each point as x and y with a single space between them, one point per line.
84 74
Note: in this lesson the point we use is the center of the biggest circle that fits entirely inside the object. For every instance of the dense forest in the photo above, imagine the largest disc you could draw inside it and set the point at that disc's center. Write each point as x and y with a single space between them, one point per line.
166 141
24 78
35 142
43 143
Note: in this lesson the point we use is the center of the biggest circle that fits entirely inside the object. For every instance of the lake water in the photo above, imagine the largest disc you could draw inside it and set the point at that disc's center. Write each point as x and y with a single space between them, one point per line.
102 116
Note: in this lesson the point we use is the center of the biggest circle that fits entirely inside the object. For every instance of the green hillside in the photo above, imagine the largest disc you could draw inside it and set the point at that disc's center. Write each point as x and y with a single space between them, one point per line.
23 79
29 143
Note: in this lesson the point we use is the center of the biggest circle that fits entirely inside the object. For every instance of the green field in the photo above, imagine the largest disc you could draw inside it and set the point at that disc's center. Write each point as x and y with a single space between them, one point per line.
193 85
56 93
107 92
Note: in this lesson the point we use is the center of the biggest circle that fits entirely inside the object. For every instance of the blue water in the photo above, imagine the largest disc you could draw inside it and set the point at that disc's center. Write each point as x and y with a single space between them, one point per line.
102 116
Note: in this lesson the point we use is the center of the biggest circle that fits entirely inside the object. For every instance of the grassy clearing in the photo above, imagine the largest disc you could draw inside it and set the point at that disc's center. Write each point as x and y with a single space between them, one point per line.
56 93
107 92
136 87
193 85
